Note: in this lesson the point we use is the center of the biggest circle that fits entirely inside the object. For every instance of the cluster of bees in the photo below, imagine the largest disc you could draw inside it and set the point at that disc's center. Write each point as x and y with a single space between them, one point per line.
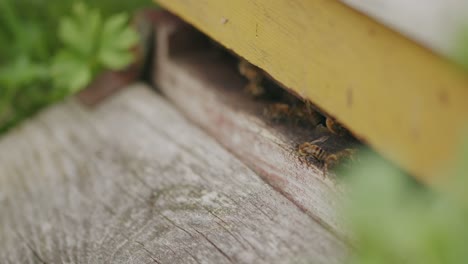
293 110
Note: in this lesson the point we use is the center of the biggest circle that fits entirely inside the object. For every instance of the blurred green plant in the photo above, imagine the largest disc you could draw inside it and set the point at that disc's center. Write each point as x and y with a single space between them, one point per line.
396 220
52 48
89 45
460 53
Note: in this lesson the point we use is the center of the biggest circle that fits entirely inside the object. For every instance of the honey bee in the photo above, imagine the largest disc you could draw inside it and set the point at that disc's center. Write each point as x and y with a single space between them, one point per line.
335 127
305 114
255 77
333 159
299 114
329 160
277 111
311 149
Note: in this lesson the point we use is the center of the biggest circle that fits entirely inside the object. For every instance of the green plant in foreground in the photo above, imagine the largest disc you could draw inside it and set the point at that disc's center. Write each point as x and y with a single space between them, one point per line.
395 220
460 50
90 45
48 52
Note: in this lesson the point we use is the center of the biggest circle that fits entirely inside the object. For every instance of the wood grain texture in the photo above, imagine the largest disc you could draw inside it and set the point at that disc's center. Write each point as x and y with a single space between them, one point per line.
402 99
208 89
133 182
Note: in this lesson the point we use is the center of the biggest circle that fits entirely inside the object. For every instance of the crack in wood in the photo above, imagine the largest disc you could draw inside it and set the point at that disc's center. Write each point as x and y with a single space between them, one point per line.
33 251
147 251
81 192
214 245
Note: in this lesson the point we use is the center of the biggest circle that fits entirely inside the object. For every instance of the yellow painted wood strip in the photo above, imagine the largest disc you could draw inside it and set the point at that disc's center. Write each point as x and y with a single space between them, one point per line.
408 103
435 24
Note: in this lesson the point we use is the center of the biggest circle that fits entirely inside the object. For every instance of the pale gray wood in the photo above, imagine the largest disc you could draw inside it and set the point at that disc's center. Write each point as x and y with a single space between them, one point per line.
133 182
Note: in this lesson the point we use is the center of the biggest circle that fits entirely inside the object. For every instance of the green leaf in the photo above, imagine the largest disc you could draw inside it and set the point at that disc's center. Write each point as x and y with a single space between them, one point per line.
116 40
81 31
115 24
99 44
45 56
395 220
115 60
117 33
22 71
69 72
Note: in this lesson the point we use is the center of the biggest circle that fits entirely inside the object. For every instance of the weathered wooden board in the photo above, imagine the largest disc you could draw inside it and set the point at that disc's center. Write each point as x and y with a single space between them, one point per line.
133 182
402 99
208 88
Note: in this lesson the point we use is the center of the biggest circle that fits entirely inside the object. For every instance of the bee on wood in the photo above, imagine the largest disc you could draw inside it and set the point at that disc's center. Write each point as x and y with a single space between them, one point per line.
311 150
305 114
277 111
333 159
255 77
335 127
298 115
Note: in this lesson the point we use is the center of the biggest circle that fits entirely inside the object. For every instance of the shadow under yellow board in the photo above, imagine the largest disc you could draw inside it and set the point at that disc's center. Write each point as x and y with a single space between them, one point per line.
406 102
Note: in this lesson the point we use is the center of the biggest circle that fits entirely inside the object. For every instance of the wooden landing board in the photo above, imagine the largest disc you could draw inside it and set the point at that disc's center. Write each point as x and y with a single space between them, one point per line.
205 85
133 182
405 101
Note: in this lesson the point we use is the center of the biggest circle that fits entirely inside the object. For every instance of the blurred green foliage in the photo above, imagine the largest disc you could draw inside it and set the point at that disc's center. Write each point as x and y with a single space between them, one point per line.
89 45
460 53
396 220
52 48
